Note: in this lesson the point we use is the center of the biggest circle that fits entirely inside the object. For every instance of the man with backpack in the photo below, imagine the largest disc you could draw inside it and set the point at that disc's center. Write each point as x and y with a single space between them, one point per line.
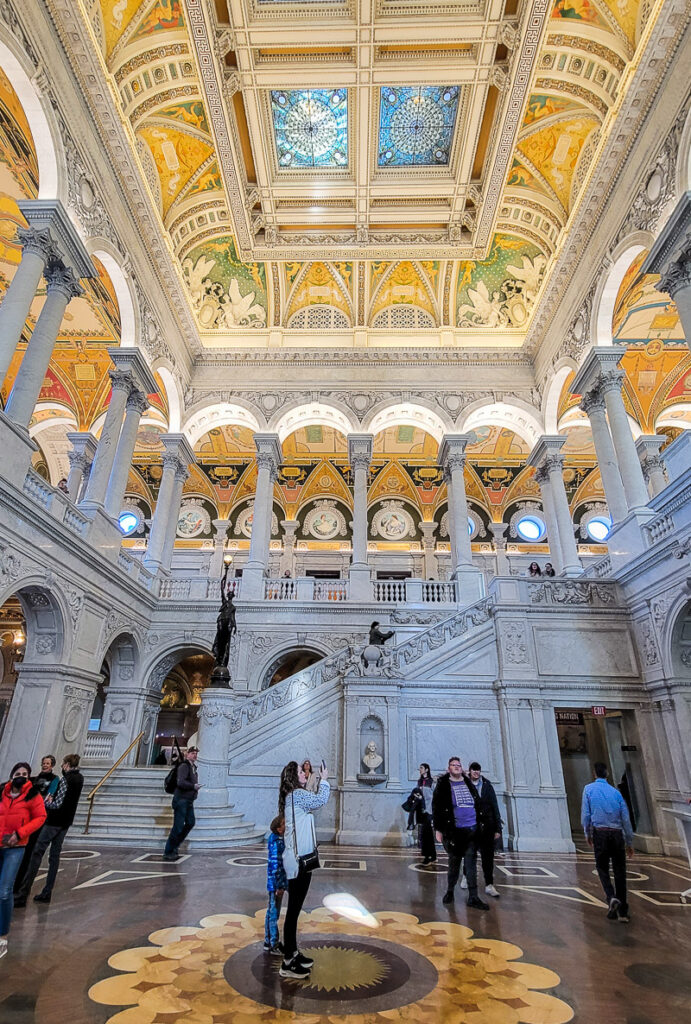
183 782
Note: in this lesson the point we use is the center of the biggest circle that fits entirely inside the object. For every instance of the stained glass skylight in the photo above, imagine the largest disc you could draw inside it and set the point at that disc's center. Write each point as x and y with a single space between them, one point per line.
310 127
416 125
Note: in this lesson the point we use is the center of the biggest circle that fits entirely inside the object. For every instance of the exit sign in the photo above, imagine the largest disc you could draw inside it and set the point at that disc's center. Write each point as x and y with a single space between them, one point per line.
599 710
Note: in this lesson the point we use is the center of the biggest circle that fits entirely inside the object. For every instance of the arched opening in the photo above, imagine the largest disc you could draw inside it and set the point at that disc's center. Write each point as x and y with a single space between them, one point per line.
12 647
681 643
287 664
173 693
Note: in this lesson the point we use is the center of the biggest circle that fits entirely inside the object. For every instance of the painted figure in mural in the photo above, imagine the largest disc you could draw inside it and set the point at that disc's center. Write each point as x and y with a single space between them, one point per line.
226 627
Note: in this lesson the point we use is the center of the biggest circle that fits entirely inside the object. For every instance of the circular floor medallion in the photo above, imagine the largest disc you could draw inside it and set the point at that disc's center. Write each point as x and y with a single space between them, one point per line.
350 976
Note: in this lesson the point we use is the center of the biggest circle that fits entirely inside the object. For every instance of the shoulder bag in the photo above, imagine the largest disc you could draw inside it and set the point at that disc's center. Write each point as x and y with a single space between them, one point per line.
308 861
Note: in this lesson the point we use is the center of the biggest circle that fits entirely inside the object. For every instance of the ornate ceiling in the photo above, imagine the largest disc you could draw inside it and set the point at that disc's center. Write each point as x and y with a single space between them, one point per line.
392 166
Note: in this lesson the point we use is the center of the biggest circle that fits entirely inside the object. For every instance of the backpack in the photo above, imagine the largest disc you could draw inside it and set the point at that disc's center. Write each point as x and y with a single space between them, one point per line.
171 779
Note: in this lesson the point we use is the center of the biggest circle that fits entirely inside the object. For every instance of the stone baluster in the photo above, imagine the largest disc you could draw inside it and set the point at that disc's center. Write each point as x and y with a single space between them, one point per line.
610 384
648 447
543 481
37 251
62 286
593 405
81 457
268 459
177 457
359 459
136 406
670 257
549 460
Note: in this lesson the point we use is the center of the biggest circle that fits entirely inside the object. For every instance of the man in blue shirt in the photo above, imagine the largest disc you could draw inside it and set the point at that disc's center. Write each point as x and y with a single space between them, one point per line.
607 826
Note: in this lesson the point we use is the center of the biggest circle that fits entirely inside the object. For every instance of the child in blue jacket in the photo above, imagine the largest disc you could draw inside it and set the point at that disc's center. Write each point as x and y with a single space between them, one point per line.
276 884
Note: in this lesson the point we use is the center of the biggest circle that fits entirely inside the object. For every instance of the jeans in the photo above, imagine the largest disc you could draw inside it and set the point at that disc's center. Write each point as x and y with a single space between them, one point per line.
297 891
461 848
53 836
10 859
273 912
609 846
26 860
183 823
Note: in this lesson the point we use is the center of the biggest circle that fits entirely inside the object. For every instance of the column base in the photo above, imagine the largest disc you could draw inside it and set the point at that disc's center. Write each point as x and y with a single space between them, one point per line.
360 583
626 539
471 584
17 449
252 586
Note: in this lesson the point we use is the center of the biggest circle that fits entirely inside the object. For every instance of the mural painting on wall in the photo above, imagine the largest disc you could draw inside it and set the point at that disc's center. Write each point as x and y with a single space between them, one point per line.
642 314
193 520
325 521
392 522
500 291
225 293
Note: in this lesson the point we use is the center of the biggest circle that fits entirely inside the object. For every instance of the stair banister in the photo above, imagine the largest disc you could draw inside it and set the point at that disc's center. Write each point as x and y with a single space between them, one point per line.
92 795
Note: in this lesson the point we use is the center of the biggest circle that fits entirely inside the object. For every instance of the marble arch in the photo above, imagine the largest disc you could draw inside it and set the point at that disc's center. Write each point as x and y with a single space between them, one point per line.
221 414
552 395
52 183
519 417
278 655
158 666
123 286
313 414
44 609
621 258
122 657
51 435
405 414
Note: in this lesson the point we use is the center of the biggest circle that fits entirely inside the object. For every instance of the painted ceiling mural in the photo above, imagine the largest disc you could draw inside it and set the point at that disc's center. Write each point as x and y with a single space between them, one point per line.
297 142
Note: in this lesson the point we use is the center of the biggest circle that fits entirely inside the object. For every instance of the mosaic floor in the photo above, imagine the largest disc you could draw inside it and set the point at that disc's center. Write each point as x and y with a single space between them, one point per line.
129 939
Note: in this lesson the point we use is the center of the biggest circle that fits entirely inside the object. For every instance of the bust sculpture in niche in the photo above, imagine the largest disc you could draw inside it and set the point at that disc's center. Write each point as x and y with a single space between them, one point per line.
372 760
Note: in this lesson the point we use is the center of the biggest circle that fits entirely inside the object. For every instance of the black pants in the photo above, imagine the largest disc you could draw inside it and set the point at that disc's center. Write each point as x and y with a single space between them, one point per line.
183 823
49 835
486 848
461 849
26 860
609 846
426 836
297 891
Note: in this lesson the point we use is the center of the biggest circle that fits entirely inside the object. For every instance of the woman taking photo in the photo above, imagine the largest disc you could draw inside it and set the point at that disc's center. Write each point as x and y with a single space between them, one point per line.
425 831
22 812
296 804
312 780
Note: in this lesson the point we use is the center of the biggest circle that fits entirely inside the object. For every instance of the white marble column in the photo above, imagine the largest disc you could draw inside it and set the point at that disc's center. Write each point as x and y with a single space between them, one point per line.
177 457
543 481
37 250
670 257
220 528
547 456
287 558
81 457
452 460
610 384
130 373
268 459
593 405
428 548
137 404
359 460
498 531
648 447
62 286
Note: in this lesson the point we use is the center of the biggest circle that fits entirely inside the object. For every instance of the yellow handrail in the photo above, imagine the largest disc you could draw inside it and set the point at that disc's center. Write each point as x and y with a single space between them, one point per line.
92 795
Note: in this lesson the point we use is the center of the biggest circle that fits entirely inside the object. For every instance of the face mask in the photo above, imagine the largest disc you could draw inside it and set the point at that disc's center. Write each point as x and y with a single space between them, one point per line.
18 782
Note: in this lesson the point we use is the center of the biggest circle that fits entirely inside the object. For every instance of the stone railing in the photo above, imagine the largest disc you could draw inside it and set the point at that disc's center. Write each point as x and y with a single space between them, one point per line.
601 569
389 591
280 590
434 592
194 588
659 528
436 636
330 590
99 745
38 489
75 520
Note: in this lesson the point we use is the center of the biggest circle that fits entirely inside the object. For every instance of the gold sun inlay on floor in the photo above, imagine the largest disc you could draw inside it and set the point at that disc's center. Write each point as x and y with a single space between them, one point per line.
183 976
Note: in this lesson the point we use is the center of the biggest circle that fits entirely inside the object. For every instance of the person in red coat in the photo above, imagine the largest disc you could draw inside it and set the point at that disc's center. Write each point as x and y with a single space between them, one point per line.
22 812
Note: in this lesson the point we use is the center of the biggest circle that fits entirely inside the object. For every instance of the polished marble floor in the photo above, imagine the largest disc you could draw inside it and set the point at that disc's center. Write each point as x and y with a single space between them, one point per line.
130 939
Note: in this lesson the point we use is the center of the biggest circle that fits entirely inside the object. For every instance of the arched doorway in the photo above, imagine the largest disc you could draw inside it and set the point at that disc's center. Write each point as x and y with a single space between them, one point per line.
12 645
288 663
178 716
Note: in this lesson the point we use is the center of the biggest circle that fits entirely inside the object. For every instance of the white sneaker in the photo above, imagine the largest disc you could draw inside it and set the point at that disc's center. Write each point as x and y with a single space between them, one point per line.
491 891
464 882
3 947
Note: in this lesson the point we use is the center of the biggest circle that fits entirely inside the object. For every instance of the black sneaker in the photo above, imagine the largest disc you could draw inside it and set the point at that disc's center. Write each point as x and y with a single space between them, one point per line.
293 969
448 896
623 917
19 901
477 903
614 905
42 897
276 950
304 961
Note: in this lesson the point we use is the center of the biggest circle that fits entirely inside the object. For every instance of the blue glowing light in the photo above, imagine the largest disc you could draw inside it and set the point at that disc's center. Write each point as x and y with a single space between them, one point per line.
416 125
310 127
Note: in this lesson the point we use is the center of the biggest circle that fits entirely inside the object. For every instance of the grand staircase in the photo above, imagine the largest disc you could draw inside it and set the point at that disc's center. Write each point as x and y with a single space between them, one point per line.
132 809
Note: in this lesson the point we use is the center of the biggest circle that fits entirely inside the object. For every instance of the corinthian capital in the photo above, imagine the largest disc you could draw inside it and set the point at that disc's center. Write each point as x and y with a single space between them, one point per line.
138 401
36 241
60 278
610 380
677 274
592 401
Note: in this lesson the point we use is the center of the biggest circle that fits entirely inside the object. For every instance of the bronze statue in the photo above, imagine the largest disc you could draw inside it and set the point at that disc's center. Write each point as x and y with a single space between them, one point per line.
226 628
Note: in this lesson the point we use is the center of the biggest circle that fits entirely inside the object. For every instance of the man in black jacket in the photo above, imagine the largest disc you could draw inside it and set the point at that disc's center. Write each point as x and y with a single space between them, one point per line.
61 808
186 789
489 824
455 807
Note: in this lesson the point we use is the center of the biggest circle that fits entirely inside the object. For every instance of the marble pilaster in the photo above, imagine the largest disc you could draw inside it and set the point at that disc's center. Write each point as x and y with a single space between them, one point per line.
268 459
177 457
498 531
452 459
431 569
648 447
359 459
81 458
548 458
220 528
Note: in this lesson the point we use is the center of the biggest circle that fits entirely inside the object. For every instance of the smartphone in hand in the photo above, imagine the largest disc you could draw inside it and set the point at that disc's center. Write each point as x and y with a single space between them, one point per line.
322 766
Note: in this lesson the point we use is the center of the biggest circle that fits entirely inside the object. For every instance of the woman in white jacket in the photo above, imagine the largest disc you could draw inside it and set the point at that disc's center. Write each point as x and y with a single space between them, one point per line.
296 804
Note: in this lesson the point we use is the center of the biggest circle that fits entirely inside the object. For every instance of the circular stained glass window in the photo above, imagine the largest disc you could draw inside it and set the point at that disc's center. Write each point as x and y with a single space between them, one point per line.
128 522
598 528
530 528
